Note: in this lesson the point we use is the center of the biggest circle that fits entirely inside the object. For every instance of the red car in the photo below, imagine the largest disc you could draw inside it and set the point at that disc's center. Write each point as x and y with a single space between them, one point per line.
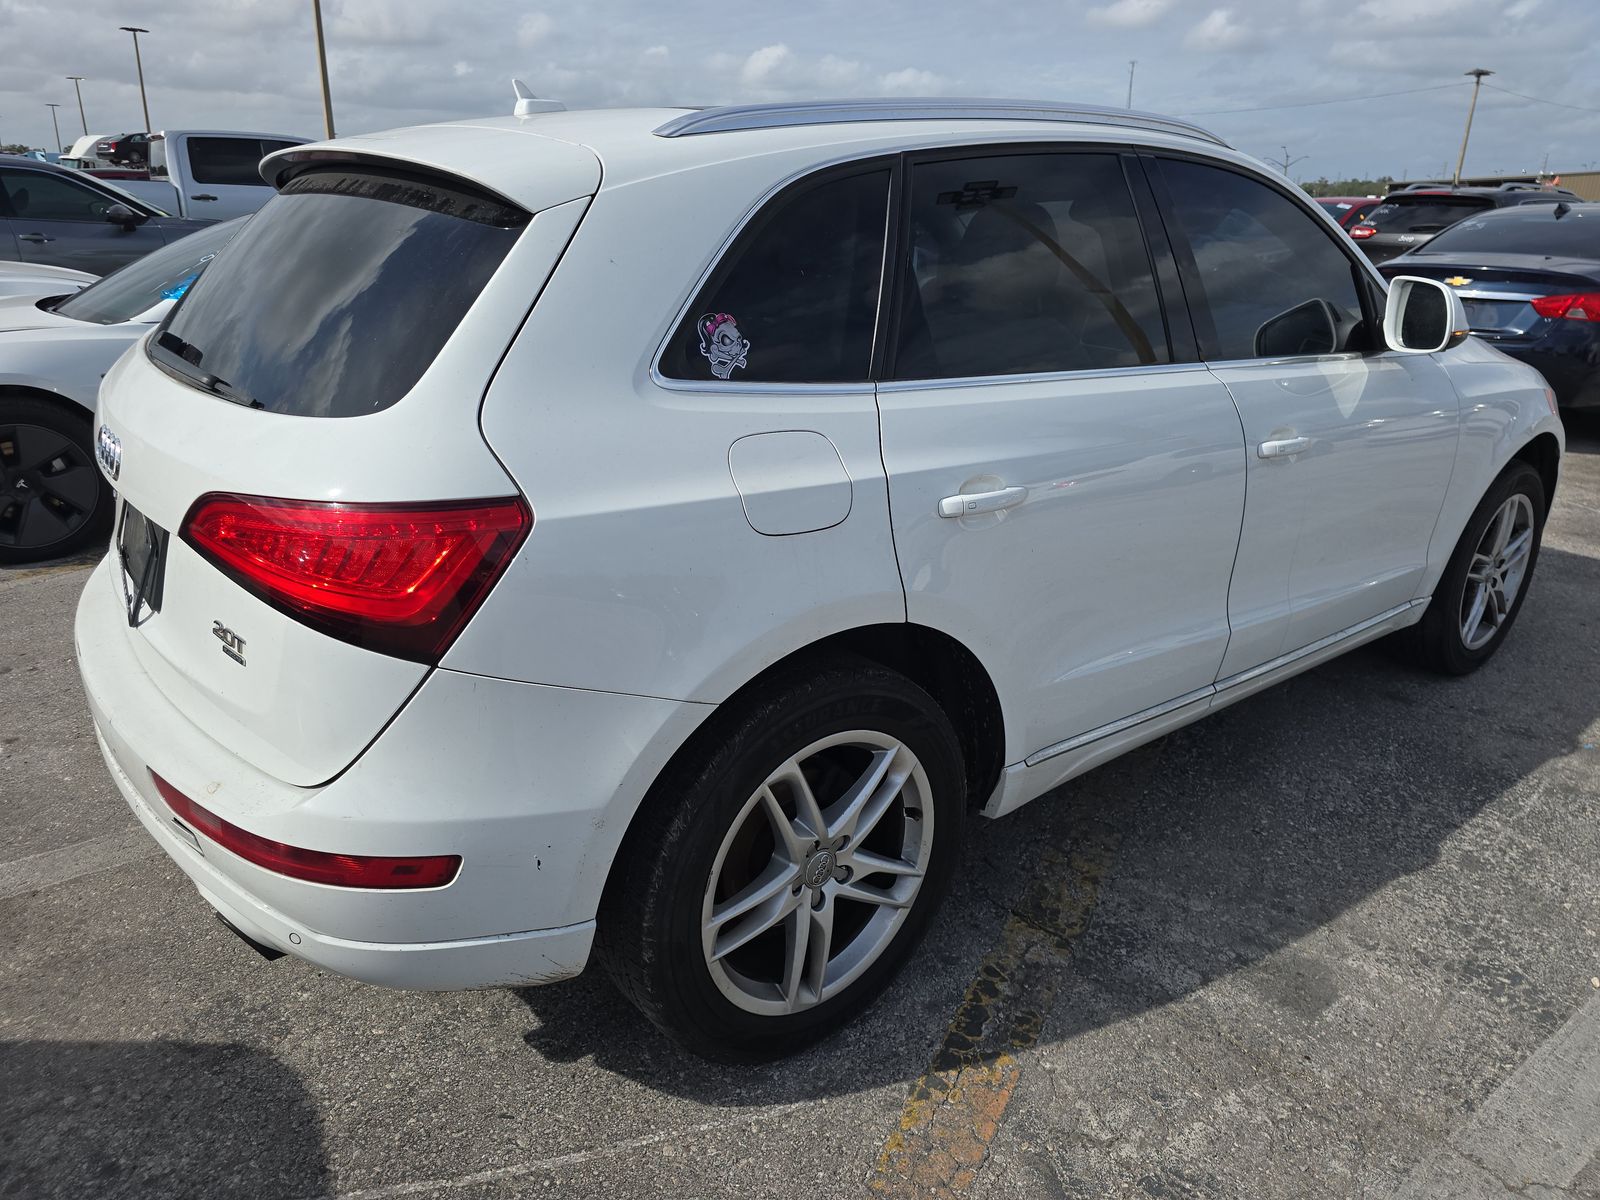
1347 210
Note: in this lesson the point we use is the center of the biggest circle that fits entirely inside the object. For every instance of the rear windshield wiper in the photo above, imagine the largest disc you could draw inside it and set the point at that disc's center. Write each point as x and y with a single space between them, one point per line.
187 351
215 384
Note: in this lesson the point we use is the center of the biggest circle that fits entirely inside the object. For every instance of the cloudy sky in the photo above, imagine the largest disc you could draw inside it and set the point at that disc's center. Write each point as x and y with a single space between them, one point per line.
250 64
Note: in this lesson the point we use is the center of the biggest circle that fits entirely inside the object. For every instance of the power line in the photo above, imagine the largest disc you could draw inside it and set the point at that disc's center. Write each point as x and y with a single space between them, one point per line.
1541 100
1217 112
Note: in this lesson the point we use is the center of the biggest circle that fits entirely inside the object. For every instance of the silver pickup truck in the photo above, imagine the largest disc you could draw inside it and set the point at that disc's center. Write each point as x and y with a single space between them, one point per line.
207 174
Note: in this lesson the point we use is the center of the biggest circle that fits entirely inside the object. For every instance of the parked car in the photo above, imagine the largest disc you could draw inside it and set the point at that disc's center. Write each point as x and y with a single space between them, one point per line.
56 344
1530 280
681 604
1407 219
124 150
36 279
1347 210
211 174
64 218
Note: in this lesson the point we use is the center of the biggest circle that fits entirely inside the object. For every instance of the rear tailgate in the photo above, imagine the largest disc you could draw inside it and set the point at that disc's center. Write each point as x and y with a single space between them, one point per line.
292 701
1498 298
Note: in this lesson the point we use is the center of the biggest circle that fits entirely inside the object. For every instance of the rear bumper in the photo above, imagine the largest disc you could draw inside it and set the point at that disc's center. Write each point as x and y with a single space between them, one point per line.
532 786
1568 358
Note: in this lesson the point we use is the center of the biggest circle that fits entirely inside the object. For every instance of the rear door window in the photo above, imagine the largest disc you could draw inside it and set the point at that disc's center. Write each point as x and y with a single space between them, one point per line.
339 293
230 160
1263 277
795 299
1024 264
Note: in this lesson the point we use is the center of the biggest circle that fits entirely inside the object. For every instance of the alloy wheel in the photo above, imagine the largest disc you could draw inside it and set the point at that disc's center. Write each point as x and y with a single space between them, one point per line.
1495 575
817 873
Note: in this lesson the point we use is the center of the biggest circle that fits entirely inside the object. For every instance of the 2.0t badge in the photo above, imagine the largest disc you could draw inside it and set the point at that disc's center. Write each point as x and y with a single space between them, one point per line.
232 643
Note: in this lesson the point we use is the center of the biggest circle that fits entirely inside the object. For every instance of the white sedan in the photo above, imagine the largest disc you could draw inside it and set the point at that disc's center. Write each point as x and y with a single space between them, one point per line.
58 338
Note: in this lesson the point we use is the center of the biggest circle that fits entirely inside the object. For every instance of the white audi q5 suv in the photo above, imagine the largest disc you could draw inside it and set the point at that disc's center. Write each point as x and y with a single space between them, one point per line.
654 534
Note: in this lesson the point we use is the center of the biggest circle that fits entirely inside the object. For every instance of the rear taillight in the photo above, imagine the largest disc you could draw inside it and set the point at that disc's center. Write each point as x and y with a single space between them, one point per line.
401 579
314 866
1578 306
1363 231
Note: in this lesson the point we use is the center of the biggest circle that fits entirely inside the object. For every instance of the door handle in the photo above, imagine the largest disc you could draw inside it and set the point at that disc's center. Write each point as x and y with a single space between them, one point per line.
1283 447
203 196
33 237
982 502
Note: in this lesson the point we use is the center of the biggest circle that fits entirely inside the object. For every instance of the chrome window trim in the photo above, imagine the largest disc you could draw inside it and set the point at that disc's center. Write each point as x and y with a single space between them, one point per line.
961 381
738 117
1293 360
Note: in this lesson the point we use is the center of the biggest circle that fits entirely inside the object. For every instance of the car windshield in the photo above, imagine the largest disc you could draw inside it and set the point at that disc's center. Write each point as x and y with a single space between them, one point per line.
1554 231
1424 214
164 274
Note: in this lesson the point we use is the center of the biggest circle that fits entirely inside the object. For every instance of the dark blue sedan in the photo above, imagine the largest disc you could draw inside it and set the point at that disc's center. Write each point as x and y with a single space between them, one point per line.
1530 280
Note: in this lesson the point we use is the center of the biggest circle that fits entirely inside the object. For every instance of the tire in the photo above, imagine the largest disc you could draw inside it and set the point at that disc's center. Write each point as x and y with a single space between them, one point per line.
1441 640
53 499
708 840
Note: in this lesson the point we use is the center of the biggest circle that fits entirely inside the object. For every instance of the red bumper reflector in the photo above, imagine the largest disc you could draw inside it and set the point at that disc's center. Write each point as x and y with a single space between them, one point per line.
314 866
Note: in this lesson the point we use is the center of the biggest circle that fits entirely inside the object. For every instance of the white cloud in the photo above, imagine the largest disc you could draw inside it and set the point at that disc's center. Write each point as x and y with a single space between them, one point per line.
1221 31
911 81
1129 14
763 64
534 28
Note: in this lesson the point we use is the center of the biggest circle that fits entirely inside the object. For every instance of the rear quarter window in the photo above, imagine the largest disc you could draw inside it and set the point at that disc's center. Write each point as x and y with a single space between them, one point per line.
337 295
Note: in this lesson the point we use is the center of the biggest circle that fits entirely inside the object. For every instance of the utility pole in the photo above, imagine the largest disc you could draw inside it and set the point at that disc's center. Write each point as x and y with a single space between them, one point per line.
1132 63
139 63
56 124
322 68
77 84
1477 74
1286 162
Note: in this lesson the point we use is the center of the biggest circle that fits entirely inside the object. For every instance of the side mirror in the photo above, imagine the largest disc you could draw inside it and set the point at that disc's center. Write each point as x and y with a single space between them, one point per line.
1423 316
121 214
1309 328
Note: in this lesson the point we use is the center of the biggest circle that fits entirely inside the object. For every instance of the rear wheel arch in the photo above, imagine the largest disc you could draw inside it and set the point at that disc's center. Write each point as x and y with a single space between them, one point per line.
936 662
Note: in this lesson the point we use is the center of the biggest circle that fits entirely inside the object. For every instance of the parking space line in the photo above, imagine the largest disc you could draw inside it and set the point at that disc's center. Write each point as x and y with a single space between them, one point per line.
69 862
575 1159
954 1110
1538 1129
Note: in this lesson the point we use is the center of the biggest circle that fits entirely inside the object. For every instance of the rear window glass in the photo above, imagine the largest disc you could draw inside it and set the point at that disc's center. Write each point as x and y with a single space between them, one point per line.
337 295
1528 230
1424 214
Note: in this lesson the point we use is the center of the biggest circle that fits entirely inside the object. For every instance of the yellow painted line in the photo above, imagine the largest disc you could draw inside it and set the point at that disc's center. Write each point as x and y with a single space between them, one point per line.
954 1110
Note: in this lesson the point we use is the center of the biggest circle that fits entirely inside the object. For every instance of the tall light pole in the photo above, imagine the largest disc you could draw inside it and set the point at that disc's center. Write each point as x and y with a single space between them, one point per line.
139 63
1132 63
322 67
56 124
1477 74
77 83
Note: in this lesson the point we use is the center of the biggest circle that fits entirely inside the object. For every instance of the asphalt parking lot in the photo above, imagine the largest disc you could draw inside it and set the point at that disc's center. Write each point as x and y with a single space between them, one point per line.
1342 939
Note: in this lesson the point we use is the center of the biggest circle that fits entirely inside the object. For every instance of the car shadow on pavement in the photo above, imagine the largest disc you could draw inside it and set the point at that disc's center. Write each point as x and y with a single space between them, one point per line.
1236 837
164 1118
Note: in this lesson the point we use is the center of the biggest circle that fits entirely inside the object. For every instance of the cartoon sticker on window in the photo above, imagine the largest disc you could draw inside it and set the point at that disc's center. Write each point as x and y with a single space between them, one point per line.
721 344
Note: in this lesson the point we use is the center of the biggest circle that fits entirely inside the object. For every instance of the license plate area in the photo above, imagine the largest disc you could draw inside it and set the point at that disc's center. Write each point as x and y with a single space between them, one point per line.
142 551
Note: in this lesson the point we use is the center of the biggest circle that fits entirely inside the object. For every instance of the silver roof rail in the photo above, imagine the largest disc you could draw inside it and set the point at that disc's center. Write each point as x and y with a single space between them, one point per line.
829 112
